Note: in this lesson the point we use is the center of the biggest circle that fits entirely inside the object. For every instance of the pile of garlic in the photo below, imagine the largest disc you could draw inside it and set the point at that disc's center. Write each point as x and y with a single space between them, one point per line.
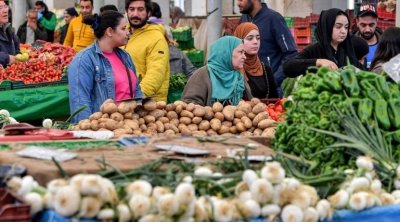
6 119
363 189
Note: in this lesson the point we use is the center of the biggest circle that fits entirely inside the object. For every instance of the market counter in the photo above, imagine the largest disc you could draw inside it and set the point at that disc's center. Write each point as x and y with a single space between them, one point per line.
36 103
128 158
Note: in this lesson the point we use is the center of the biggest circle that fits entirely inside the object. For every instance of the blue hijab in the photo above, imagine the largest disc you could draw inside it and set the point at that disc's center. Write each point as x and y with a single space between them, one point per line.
226 82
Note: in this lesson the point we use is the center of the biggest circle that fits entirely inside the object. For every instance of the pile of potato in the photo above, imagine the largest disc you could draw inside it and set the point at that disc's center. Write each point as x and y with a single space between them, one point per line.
249 118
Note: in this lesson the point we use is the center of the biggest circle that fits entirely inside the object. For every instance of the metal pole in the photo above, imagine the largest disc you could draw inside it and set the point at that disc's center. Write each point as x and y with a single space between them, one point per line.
398 14
19 9
214 21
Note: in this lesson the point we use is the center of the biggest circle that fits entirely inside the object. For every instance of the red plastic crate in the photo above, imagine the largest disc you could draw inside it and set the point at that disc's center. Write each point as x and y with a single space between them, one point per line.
301 40
301 22
12 208
291 31
383 14
384 24
314 18
301 47
302 32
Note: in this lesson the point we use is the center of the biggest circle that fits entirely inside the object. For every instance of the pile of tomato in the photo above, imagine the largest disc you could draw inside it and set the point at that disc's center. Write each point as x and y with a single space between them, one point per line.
276 111
45 64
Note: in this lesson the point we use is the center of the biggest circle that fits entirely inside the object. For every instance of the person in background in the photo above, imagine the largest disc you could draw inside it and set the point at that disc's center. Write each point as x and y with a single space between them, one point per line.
9 42
149 49
31 30
47 19
220 80
367 29
175 14
277 43
103 70
257 74
361 49
80 35
388 47
69 14
108 7
333 47
178 61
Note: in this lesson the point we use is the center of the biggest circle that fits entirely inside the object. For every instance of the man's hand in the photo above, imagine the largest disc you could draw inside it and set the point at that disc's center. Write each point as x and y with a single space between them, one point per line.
328 63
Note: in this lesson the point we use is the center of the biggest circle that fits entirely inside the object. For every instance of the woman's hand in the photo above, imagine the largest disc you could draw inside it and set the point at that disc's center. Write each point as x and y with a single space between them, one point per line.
328 63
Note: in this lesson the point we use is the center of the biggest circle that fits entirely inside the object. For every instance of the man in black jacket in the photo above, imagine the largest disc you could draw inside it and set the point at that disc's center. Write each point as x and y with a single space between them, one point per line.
277 43
9 43
31 30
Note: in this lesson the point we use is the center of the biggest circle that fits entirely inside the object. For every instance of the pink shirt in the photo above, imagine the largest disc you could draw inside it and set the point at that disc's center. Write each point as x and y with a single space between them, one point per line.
121 80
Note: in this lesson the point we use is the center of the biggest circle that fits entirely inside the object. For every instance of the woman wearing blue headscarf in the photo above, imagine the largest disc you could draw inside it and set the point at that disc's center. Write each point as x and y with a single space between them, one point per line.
220 80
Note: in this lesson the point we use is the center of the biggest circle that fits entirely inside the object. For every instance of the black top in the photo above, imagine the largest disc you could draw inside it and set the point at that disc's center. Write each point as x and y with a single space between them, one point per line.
263 86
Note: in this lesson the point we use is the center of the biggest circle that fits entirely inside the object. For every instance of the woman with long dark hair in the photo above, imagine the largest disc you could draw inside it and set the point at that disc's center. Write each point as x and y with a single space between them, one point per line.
388 47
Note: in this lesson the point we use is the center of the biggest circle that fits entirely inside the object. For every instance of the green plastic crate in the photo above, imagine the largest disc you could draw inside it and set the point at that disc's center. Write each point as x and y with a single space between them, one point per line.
198 64
185 45
289 21
182 34
195 55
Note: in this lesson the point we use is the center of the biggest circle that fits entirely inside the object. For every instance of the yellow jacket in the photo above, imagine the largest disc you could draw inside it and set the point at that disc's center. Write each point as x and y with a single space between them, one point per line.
150 54
79 35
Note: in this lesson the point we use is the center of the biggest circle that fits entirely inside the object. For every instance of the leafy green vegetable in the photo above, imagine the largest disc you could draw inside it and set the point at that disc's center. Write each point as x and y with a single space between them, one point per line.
177 81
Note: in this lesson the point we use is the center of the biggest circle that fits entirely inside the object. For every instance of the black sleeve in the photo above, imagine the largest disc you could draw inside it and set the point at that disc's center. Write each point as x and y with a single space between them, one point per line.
299 65
273 90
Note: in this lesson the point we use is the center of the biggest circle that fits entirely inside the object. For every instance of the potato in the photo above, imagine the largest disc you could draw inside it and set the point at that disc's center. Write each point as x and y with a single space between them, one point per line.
135 116
186 113
190 107
143 127
211 132
164 119
158 113
141 121
137 132
169 132
266 123
217 107
172 115
251 115
193 127
151 131
117 116
124 107
105 102
229 113
131 124
254 101
119 133
120 124
128 115
181 126
111 124
235 121
257 132
204 125
209 114
142 113
152 126
185 131
94 125
199 133
269 133
260 107
224 129
179 102
196 120
150 105
233 129
95 116
161 104
244 107
247 122
215 124
178 108
132 105
170 107
127 129
219 116
246 133
251 130
101 125
240 127
227 123
199 111
175 122
109 108
105 115
185 120
239 114
149 119
169 126
103 129
259 117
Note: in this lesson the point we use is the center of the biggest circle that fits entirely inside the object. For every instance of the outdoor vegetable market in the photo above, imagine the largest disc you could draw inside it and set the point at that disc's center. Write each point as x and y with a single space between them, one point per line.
198 111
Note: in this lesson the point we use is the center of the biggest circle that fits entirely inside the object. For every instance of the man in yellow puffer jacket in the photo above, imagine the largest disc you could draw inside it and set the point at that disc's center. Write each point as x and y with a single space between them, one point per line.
149 50
80 35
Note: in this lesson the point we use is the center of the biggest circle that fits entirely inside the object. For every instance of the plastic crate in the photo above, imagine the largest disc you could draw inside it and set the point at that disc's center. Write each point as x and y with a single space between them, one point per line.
5 85
383 14
185 45
289 21
301 22
314 18
21 85
302 32
198 64
13 208
196 56
384 24
182 35
302 40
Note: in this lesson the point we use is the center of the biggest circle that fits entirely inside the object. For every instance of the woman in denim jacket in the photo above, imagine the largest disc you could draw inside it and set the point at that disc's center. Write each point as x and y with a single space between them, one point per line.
102 70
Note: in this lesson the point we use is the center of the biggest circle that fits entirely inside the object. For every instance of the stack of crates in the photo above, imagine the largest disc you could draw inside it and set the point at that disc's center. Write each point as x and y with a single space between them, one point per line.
184 38
302 32
386 19
196 57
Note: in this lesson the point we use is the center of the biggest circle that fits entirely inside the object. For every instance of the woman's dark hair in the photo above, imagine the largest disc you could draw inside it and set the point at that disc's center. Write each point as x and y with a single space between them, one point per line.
156 10
388 46
147 4
108 7
361 47
43 5
99 23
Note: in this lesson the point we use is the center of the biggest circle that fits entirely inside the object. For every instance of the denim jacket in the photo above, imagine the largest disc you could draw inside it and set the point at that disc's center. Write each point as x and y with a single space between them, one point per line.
91 80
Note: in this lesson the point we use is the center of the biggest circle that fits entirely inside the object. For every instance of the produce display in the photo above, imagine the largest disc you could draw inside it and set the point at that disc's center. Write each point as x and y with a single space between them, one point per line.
6 119
178 118
45 63
315 103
